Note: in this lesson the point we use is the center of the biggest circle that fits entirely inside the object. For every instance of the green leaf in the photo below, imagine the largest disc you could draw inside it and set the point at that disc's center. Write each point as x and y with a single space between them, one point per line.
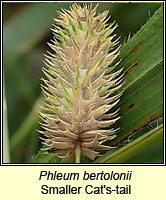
46 158
25 129
142 59
134 148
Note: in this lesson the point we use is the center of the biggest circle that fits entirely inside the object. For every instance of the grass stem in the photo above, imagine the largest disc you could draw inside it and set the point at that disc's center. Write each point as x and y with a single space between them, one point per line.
77 153
6 154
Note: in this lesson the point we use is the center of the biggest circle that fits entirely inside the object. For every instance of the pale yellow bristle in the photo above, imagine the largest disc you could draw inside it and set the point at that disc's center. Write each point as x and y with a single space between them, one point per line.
78 91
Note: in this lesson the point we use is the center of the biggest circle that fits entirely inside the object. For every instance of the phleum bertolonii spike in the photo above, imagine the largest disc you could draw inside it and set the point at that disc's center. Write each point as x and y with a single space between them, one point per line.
79 88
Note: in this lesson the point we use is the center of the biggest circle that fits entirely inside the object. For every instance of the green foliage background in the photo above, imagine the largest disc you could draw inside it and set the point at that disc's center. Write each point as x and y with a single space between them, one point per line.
26 29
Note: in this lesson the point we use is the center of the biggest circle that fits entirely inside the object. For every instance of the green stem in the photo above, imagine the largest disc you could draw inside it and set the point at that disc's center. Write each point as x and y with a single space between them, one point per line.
6 154
77 153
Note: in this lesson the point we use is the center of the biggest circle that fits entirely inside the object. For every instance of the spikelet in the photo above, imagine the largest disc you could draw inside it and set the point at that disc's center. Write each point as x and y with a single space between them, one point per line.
79 88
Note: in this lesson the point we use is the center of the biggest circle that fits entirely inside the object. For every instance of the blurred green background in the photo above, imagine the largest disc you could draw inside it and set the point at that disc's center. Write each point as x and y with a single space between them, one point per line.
26 30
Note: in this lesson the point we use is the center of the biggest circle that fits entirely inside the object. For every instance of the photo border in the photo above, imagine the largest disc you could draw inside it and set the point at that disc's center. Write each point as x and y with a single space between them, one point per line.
81 164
